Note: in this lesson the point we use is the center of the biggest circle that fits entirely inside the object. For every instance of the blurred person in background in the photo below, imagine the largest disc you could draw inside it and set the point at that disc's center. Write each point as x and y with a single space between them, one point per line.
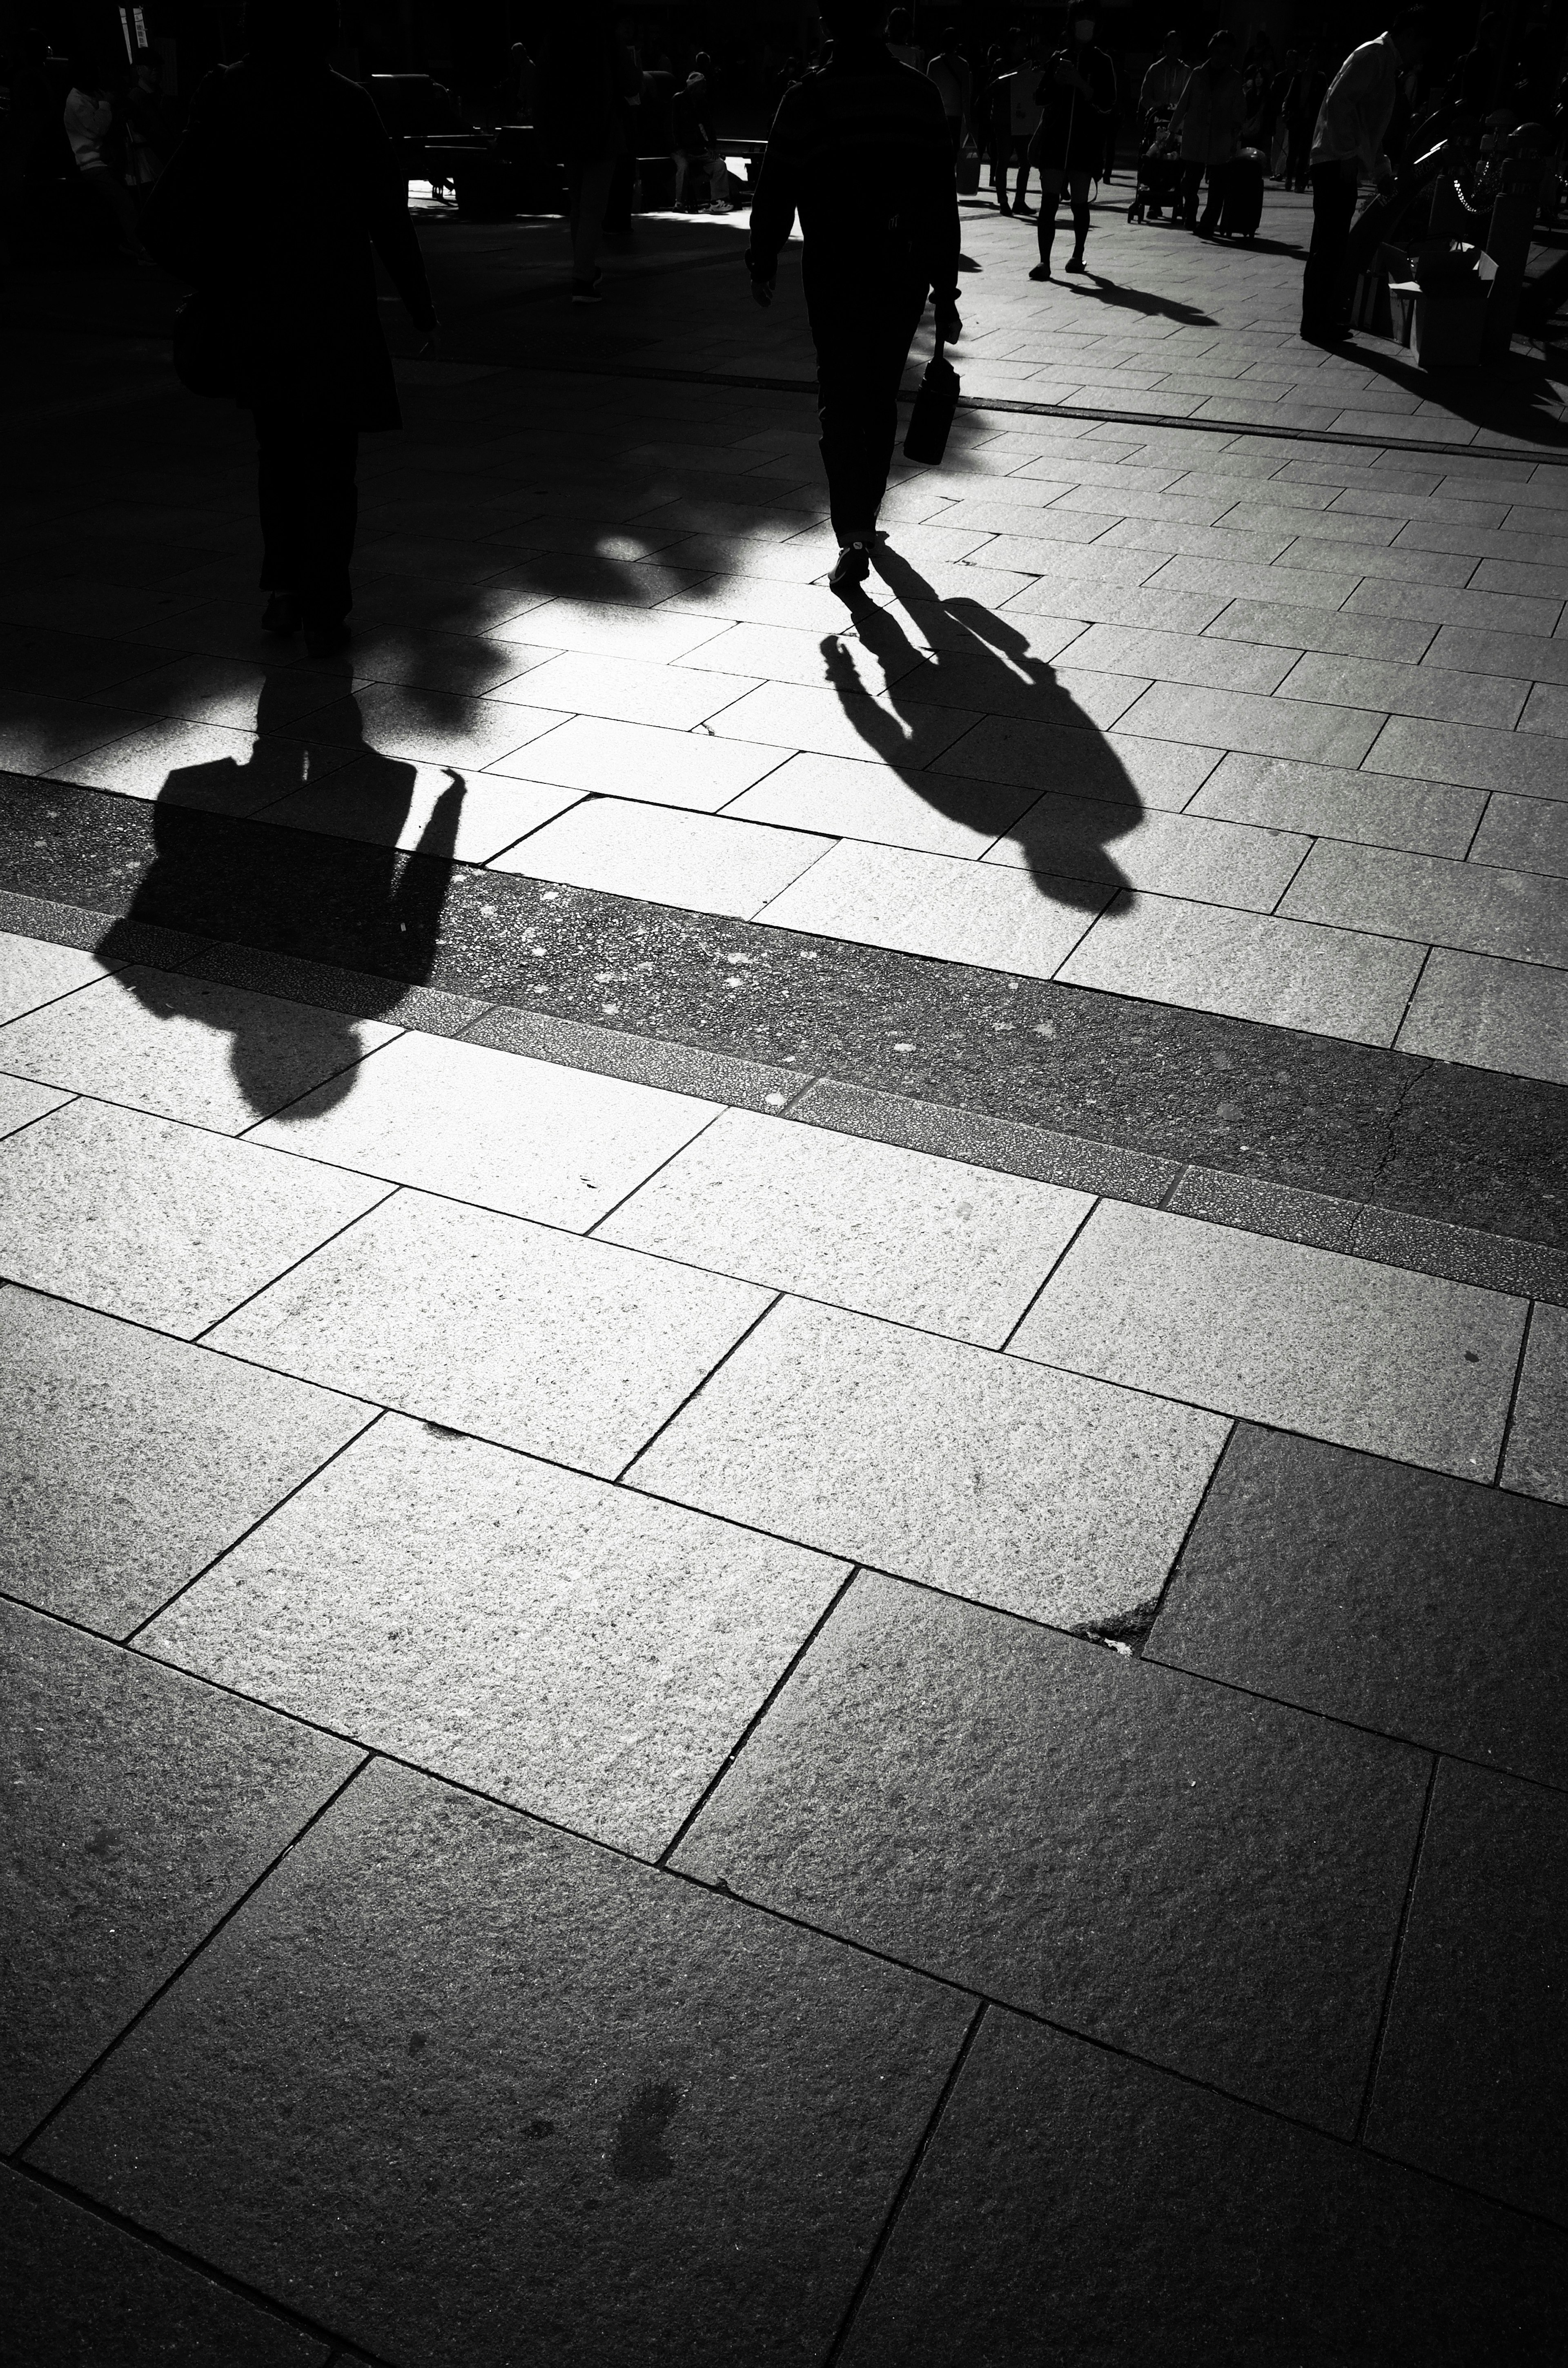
900 43
586 69
1077 96
865 123
695 144
149 129
948 70
1207 127
97 145
1347 140
1162 86
272 207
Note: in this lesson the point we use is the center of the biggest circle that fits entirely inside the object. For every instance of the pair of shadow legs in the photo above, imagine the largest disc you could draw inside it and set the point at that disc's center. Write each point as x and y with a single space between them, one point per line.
1076 796
361 904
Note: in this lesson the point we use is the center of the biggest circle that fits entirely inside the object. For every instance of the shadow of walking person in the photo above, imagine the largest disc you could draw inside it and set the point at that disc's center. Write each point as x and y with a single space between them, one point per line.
1035 775
369 903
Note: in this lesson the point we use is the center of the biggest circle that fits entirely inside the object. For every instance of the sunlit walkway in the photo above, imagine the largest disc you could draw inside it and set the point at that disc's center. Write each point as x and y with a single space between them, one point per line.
786 1504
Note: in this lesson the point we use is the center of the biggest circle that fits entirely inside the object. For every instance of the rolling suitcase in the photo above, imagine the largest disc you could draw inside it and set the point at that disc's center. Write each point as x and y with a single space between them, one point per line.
1243 207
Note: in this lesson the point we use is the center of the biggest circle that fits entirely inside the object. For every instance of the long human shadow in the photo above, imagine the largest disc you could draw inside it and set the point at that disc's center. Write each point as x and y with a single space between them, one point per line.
1036 774
1100 284
222 871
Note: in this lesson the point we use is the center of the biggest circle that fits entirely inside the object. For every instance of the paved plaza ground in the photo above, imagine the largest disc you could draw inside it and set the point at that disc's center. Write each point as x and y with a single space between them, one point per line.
785 1555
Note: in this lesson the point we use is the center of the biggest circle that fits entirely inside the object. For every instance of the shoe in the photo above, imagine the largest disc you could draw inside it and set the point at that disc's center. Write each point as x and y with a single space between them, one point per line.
281 614
852 566
1074 263
719 209
1199 232
1003 206
1154 213
586 291
1024 209
1040 272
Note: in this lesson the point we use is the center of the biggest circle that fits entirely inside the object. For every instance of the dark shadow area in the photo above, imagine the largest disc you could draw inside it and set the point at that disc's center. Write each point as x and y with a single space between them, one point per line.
271 900
1141 300
1508 393
1044 776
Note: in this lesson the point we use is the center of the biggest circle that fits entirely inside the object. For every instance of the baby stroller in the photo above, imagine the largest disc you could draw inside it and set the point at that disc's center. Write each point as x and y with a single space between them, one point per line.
1159 176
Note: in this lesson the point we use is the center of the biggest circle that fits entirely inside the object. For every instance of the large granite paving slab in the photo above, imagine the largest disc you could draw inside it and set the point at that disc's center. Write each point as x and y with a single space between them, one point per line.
452 2082
1171 1867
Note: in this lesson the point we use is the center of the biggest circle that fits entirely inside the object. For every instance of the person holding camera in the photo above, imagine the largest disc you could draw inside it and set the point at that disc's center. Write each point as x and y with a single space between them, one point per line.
1077 98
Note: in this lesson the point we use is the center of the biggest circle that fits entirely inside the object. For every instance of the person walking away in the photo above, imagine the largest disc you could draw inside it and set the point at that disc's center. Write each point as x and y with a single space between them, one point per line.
863 122
149 134
1023 121
585 71
695 144
1077 96
1303 101
949 71
899 43
1162 86
272 206
1351 127
1207 125
89 127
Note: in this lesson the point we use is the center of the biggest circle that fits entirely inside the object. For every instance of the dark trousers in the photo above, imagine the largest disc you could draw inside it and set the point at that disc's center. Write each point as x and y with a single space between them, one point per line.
310 507
1325 283
862 346
1191 176
1012 150
1298 154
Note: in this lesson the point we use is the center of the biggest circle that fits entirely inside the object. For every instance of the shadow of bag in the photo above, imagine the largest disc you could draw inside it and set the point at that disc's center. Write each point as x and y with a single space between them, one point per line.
204 347
925 437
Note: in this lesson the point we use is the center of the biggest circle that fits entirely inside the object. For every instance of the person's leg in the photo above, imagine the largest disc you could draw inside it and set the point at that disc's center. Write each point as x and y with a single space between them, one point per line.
1219 174
1021 149
282 564
1045 227
1323 289
115 198
683 166
1078 190
1191 176
309 508
593 196
718 178
861 360
1004 159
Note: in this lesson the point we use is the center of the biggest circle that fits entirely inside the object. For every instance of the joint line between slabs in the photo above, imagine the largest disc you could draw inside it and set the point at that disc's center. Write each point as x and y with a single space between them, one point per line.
343 2348
147 2006
1186 1536
1514 1395
922 2147
198 1339
755 1719
1375 2064
619 1479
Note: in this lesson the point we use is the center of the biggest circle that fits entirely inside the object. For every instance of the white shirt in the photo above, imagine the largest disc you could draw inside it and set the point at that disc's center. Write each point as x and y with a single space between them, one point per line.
87 121
1357 107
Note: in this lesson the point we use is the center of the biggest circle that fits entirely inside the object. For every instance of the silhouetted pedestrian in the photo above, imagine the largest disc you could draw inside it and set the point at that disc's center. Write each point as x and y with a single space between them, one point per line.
1207 126
587 69
271 206
1077 98
1352 124
860 150
98 147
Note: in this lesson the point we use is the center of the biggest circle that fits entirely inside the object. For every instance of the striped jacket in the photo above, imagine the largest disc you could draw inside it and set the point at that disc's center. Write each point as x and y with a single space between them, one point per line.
860 151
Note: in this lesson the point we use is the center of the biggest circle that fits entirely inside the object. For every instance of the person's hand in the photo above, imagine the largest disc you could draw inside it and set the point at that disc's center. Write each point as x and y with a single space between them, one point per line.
431 347
950 328
761 292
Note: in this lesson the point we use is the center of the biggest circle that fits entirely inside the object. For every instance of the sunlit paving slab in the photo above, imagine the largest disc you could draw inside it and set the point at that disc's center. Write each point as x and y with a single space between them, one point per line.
568 1348
1212 1880
33 974
1039 1491
164 1224
1367 1356
577 1650
928 1242
513 2022
560 1145
187 1049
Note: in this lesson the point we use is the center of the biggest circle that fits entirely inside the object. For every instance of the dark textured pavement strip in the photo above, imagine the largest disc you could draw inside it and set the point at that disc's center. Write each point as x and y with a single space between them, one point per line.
1135 1093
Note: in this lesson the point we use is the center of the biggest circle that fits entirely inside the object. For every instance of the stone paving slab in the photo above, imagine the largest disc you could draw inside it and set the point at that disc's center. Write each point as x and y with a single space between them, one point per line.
1209 1880
533 2064
1066 2186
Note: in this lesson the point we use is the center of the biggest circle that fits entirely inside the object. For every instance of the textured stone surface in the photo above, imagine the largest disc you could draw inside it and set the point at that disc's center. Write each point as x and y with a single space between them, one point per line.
518 1136
1537 1455
1078 2207
1054 1497
1206 1879
1366 1355
33 974
568 1348
128 1462
577 1650
151 1803
160 1223
522 2085
1472 2081
894 1232
78 2293
1407 1601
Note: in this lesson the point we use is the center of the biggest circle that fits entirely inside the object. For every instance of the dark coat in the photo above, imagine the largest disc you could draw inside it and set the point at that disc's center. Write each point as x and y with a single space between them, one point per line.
1071 134
271 206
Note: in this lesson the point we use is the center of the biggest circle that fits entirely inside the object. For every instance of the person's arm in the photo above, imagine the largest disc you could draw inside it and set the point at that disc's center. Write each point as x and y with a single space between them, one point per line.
392 233
778 194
